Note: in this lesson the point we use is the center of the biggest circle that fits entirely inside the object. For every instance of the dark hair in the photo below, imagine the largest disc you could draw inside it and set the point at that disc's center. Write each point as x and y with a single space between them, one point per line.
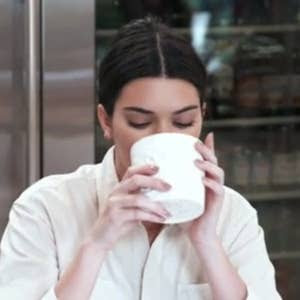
147 48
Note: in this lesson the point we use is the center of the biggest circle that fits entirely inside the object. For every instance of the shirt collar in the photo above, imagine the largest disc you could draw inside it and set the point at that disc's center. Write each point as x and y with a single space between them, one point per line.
106 177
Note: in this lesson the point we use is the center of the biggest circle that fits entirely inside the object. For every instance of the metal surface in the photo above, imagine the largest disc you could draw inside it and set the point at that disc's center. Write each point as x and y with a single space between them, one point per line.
68 84
32 38
67 87
13 108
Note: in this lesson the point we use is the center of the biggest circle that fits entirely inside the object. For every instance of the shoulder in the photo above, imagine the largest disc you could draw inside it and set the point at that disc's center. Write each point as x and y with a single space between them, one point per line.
235 214
236 203
82 173
54 191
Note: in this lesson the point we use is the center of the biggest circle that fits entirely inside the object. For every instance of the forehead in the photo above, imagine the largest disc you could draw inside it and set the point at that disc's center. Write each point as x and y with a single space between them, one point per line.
158 94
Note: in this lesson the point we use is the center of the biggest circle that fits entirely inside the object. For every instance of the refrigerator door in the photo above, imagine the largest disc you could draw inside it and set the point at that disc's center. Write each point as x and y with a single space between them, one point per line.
68 84
46 92
14 166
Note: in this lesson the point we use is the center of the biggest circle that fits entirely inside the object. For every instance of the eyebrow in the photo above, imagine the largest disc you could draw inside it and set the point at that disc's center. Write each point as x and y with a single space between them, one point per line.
148 112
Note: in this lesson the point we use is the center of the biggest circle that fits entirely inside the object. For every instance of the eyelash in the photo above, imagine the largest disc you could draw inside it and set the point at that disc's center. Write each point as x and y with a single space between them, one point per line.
143 125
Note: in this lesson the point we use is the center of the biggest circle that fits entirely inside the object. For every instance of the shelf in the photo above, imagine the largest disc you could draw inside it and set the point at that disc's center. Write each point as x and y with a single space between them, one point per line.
285 255
105 32
273 195
235 30
255 121
247 29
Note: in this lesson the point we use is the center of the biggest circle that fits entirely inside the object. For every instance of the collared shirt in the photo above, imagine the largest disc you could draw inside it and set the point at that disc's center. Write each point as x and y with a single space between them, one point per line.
49 220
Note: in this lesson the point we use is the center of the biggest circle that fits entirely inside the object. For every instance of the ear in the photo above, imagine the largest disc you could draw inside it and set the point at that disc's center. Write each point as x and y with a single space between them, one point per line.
104 121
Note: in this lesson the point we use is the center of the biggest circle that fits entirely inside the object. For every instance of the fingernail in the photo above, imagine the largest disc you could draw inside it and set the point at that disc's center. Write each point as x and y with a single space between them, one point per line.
162 218
198 161
167 213
154 168
166 185
212 142
198 144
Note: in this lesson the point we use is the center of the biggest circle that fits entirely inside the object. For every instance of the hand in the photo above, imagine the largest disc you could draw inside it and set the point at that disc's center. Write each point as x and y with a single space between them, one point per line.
126 207
203 229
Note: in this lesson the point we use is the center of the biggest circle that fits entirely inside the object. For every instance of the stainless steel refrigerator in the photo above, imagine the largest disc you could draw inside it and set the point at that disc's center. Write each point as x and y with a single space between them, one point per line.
47 94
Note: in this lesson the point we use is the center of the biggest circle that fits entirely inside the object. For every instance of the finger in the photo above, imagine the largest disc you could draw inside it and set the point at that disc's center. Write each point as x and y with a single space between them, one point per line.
210 142
137 182
136 214
206 152
213 171
143 170
143 202
212 185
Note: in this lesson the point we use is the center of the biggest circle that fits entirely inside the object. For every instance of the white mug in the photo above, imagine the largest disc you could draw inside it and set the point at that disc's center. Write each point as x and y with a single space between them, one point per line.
174 154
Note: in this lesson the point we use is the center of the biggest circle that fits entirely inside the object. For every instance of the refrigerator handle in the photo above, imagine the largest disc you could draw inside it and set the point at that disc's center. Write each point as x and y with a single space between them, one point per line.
33 87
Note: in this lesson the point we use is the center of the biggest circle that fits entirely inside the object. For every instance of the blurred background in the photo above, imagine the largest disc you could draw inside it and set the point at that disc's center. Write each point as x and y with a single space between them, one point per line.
49 54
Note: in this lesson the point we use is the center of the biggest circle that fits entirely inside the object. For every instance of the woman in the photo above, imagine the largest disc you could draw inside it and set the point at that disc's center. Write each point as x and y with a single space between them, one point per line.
91 234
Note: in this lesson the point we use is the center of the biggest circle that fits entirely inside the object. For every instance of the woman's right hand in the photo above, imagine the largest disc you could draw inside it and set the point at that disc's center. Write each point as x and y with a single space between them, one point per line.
127 206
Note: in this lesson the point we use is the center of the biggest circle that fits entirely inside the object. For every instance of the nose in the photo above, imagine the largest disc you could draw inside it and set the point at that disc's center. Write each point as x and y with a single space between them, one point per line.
163 127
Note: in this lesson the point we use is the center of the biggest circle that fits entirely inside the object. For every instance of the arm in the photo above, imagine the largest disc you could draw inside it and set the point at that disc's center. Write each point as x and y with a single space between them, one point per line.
29 266
245 265
245 272
224 280
248 254
124 210
79 279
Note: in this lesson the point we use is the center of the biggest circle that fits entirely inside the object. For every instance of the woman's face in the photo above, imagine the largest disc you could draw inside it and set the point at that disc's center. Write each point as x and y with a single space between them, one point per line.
152 105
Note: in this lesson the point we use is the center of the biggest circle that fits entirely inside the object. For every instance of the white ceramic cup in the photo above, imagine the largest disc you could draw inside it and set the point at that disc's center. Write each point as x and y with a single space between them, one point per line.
174 154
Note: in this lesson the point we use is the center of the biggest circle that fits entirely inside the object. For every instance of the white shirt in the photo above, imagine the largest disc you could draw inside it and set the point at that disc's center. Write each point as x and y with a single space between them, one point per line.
50 219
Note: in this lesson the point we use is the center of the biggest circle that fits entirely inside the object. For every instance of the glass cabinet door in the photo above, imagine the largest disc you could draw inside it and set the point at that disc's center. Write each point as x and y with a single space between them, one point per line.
251 50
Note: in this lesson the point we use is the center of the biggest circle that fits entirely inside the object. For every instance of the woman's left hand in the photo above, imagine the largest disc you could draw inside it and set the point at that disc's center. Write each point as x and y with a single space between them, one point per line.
203 229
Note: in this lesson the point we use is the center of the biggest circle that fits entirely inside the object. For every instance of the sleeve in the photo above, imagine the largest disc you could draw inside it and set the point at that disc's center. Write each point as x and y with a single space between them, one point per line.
28 263
248 253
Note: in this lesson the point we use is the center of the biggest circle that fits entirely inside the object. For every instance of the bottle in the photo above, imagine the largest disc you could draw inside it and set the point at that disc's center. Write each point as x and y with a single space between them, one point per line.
298 12
221 11
283 158
297 166
273 87
244 12
296 137
259 75
295 77
223 83
241 167
260 174
224 156
109 14
285 232
284 12
247 92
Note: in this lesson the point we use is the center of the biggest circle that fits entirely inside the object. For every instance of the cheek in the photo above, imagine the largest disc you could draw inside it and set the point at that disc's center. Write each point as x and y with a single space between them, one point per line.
198 129
195 130
124 137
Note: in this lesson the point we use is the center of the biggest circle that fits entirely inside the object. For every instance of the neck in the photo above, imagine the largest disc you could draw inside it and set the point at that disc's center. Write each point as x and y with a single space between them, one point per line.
153 230
152 226
120 170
